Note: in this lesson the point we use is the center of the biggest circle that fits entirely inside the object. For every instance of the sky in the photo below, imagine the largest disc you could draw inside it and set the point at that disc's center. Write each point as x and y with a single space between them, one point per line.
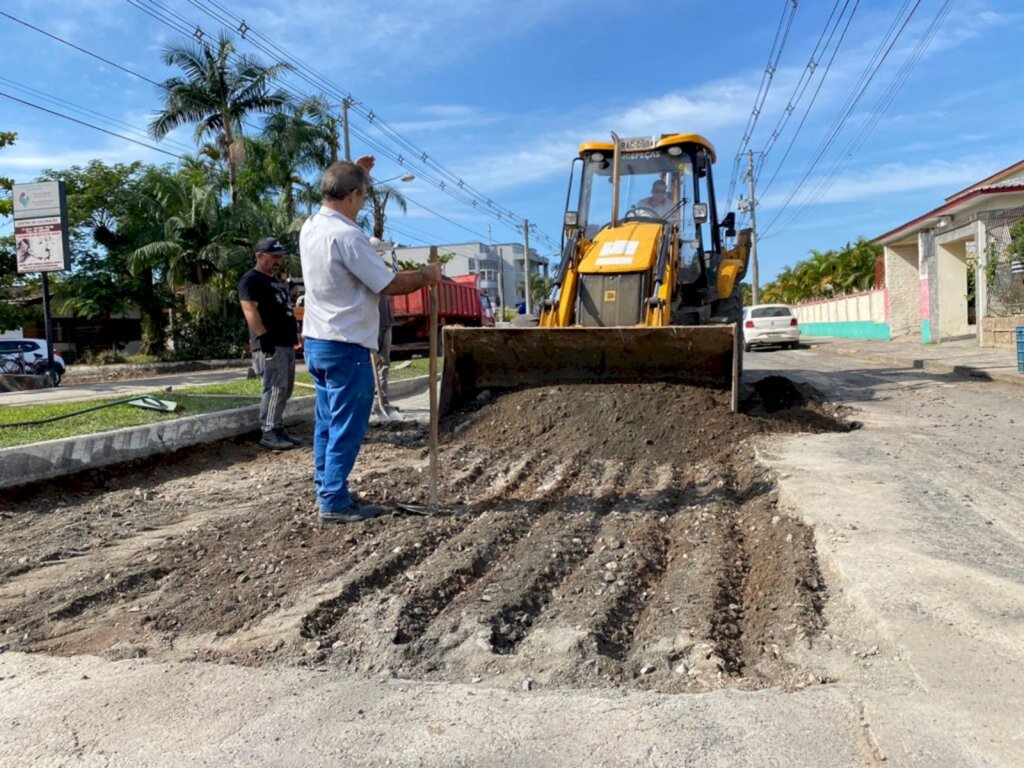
874 111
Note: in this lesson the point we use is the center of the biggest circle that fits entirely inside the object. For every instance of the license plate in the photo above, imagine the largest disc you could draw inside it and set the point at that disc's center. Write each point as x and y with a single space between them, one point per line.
637 142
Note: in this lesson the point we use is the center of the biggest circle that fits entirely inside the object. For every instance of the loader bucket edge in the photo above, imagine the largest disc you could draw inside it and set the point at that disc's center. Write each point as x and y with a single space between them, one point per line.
476 359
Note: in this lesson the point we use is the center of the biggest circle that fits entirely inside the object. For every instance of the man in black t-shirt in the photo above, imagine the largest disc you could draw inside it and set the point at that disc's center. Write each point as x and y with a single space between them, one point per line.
272 331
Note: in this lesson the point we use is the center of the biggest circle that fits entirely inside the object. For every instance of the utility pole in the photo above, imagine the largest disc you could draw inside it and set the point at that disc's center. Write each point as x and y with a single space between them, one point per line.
755 290
526 263
345 104
501 277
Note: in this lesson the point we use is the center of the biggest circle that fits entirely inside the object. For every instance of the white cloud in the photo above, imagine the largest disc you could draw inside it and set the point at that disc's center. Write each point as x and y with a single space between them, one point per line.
440 117
938 176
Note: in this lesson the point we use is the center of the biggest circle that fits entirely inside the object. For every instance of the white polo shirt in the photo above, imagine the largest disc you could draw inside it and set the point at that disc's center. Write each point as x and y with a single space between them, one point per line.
343 276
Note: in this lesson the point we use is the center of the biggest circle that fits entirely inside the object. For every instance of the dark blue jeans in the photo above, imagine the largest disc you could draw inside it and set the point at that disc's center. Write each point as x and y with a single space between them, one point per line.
344 397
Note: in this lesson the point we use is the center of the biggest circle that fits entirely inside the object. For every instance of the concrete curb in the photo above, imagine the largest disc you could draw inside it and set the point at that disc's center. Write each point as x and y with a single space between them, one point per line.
25 464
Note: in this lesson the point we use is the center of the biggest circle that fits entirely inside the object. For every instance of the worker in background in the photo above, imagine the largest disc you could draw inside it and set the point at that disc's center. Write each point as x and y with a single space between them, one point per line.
344 278
272 333
382 403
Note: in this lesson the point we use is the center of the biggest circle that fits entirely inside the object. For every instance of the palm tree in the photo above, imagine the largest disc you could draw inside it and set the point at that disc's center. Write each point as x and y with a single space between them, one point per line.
329 140
377 199
294 144
216 92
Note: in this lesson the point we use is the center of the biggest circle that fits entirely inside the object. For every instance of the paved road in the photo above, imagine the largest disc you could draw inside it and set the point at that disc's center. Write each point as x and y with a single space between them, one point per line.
121 388
920 533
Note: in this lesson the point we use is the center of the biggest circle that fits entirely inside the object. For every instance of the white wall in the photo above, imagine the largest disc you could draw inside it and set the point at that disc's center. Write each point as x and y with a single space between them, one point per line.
868 306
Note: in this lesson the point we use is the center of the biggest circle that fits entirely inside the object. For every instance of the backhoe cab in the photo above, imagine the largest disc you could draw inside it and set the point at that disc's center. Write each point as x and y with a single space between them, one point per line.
663 261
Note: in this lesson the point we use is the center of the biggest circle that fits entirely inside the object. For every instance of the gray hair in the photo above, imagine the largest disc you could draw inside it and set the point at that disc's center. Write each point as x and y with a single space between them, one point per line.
341 179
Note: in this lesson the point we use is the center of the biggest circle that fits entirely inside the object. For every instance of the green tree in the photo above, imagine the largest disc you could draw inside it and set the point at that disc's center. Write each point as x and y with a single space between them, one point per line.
826 274
7 138
291 144
108 217
217 90
377 199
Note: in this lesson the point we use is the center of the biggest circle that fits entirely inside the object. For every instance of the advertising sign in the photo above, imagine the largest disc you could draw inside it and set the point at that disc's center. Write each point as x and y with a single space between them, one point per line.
40 245
40 227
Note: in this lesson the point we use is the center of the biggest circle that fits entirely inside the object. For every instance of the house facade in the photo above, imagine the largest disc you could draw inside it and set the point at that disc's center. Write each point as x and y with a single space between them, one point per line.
947 273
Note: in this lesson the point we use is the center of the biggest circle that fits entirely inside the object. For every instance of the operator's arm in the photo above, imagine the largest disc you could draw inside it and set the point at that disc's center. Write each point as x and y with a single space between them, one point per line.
407 282
252 316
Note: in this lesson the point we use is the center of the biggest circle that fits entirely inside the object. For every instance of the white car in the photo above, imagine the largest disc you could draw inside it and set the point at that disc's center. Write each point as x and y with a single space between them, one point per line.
32 355
770 325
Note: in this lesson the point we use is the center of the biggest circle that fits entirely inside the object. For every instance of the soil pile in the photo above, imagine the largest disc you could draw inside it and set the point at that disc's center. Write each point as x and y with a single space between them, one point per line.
600 535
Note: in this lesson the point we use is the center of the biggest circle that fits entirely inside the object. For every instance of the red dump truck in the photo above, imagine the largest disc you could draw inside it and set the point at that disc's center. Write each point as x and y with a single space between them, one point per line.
459 302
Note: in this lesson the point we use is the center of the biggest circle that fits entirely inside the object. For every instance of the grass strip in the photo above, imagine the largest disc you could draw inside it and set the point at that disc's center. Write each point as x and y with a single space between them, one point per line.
192 401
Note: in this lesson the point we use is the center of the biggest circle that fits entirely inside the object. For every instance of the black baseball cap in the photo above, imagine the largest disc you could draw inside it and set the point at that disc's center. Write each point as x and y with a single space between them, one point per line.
269 245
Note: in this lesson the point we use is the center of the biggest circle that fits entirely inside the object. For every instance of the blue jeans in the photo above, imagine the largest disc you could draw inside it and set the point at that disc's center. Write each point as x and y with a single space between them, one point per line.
344 397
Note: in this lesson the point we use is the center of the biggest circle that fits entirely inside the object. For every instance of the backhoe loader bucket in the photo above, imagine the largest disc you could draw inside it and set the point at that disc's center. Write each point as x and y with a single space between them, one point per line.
476 359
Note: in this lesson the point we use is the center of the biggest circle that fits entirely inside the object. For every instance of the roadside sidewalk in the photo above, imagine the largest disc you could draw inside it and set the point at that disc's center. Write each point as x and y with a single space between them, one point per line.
958 358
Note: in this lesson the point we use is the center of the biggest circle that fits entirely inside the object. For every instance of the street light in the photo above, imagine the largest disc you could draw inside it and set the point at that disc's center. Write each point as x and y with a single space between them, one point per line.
403 177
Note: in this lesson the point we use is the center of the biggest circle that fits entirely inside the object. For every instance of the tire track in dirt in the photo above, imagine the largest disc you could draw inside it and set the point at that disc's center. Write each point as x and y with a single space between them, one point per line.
496 612
586 635
600 536
458 563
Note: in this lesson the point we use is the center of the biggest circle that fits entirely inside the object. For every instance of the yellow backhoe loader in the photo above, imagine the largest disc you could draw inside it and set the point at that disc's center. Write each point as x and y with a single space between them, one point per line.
652 295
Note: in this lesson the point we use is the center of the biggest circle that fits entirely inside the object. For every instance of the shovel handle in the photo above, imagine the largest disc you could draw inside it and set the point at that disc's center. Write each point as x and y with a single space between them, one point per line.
433 397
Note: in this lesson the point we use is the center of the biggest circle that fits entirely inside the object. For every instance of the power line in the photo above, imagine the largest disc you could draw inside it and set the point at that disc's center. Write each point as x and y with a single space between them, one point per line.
853 146
85 110
77 48
418 158
867 77
89 125
770 69
764 187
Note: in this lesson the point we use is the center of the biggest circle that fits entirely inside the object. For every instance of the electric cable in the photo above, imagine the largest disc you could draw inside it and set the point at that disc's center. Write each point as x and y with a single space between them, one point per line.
867 77
417 154
764 187
844 158
39 422
770 69
90 125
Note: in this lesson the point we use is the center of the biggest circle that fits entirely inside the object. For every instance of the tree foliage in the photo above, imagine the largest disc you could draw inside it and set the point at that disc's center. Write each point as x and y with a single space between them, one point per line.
217 89
826 274
12 313
7 138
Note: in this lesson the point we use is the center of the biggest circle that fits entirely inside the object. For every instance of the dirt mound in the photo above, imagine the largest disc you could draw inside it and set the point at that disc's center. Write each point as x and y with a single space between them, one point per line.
601 535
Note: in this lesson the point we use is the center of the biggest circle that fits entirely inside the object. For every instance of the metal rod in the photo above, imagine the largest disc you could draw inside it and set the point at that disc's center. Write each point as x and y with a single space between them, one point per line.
433 397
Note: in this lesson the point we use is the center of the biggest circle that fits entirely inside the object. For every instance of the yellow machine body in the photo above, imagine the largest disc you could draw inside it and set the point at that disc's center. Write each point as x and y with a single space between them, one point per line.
649 296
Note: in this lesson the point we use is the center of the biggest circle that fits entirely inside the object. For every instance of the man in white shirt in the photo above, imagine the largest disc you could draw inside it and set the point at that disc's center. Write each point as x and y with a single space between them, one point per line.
344 278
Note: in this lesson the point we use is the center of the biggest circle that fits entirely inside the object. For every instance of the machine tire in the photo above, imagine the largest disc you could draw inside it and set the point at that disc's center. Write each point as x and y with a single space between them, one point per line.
731 308
747 347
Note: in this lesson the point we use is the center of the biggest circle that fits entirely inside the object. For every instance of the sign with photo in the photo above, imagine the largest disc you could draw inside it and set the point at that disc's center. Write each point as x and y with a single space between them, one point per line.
41 227
39 244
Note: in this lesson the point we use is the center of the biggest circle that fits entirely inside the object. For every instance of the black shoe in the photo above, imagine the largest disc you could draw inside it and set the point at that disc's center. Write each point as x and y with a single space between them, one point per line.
355 513
285 436
275 442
